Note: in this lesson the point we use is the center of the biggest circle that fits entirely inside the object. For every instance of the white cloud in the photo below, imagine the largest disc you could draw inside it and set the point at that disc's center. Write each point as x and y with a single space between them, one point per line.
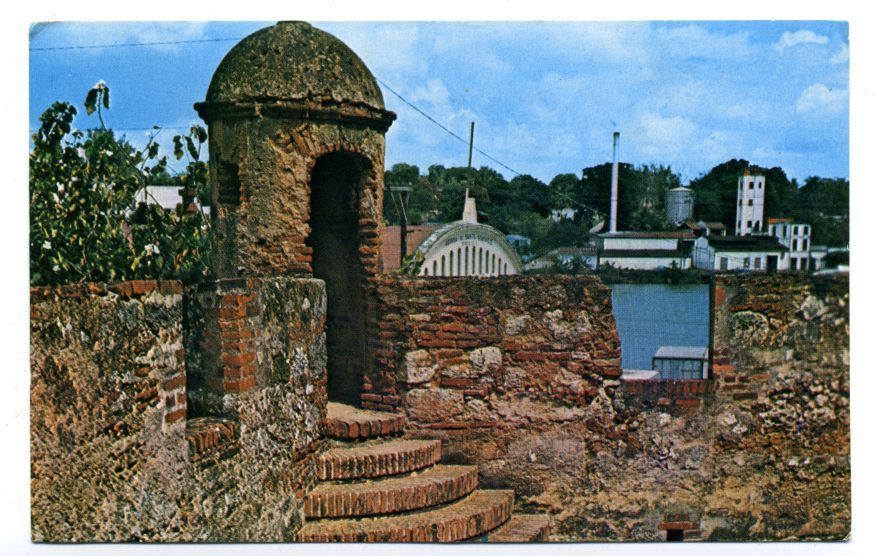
435 93
842 56
820 98
695 41
790 40
392 51
662 138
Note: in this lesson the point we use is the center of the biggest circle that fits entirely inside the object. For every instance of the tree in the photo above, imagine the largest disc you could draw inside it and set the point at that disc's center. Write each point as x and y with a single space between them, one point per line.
716 192
84 223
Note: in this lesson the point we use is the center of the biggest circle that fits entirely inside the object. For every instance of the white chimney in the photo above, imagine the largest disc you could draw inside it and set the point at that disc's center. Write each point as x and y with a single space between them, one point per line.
612 227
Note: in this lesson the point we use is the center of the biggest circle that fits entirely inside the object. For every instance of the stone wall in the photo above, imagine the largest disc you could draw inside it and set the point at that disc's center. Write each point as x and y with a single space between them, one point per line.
108 450
519 375
516 374
256 356
117 452
781 420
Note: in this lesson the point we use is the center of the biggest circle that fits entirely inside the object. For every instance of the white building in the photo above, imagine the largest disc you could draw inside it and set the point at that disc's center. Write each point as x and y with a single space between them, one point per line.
644 250
796 237
749 204
466 248
563 214
739 253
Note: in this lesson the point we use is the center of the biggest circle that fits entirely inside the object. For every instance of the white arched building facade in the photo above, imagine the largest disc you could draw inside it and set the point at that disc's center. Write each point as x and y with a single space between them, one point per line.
466 248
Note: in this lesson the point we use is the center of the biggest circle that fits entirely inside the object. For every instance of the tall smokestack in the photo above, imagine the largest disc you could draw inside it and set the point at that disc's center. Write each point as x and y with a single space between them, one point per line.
612 222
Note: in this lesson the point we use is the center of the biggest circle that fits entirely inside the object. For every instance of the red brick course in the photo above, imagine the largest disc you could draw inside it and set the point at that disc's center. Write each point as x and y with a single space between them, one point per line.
386 458
436 485
474 515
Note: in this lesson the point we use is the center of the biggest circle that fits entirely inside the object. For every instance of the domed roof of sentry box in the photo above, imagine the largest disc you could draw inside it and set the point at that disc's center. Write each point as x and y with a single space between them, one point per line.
294 61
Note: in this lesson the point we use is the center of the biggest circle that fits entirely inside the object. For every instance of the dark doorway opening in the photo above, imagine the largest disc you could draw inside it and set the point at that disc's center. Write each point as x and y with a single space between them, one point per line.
674 535
335 188
772 263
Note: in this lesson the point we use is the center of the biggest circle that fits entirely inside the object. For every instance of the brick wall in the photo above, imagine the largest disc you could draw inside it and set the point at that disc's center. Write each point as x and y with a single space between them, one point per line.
453 348
519 375
511 373
781 417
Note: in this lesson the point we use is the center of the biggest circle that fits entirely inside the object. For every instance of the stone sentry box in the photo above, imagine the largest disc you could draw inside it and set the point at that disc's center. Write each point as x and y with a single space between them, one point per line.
297 126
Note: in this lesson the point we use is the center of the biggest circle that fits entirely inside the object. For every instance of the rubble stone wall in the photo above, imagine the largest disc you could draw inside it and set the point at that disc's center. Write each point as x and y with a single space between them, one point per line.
516 374
108 449
117 452
519 375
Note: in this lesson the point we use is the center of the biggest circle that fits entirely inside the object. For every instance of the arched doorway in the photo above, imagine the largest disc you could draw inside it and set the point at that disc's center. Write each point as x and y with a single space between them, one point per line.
336 184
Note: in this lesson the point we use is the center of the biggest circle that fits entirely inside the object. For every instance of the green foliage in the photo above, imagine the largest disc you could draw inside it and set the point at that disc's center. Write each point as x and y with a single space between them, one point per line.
84 224
716 192
524 204
823 203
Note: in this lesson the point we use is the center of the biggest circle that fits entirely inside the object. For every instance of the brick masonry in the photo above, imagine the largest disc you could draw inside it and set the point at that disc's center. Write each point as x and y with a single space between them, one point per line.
436 485
456 352
378 460
499 372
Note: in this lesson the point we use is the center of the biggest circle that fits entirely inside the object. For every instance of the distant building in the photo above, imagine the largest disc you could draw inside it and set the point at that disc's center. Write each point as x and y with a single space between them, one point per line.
522 243
750 196
704 228
166 196
588 256
679 204
739 253
467 248
563 214
796 237
644 250
823 258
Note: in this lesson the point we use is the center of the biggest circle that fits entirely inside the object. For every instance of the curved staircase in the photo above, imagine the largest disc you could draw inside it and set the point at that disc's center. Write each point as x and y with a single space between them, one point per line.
377 487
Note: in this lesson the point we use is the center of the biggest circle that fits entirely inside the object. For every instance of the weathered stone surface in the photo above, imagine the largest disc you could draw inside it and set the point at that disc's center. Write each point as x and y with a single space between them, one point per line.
293 60
440 404
112 459
742 457
419 366
486 360
104 416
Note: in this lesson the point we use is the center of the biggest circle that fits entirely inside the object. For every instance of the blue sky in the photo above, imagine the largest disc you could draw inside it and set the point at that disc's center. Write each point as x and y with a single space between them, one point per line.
545 96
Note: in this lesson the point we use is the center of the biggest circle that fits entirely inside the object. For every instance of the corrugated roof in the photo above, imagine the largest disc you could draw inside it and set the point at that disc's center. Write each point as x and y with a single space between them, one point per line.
682 352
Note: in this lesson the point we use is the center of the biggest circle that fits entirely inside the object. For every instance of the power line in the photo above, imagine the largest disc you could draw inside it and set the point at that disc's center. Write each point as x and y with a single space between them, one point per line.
436 122
129 44
194 41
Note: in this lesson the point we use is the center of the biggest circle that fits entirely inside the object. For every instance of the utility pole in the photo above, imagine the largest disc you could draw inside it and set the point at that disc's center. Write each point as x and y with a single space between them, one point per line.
404 193
470 143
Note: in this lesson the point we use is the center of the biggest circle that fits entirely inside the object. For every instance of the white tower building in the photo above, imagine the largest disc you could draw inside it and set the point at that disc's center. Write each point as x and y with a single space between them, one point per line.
749 204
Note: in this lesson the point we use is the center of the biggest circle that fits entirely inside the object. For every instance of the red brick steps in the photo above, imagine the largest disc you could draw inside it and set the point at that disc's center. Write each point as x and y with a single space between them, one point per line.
522 528
437 485
476 514
391 457
345 422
